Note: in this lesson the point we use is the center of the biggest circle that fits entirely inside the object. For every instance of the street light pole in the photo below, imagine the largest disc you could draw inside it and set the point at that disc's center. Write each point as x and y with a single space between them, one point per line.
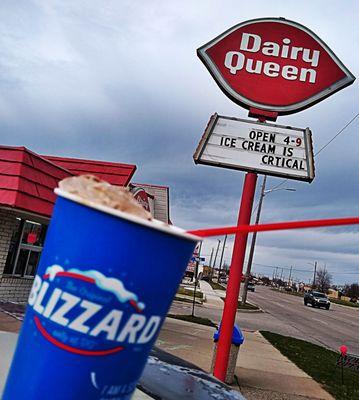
196 278
254 236
210 260
215 258
315 273
253 244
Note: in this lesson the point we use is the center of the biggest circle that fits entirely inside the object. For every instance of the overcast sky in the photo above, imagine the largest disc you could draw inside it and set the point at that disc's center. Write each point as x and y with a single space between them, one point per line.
120 81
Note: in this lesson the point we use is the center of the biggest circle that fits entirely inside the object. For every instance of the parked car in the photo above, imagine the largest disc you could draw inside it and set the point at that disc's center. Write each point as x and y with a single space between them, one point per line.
316 299
251 286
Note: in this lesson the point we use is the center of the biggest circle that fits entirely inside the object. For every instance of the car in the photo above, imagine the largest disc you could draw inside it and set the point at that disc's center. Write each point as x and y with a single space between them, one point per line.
223 279
316 299
251 286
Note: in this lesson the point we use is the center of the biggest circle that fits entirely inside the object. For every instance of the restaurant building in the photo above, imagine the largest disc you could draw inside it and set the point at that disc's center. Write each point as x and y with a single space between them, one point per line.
27 183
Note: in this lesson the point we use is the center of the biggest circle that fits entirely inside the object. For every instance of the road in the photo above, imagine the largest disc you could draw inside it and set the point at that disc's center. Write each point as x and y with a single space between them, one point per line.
287 315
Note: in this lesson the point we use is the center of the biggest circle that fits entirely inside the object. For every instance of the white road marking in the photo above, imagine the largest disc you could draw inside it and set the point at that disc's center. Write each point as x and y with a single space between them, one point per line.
322 322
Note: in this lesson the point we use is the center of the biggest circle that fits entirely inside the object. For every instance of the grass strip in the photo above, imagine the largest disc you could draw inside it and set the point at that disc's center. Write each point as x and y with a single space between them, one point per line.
344 303
193 319
188 292
319 363
184 300
246 306
216 286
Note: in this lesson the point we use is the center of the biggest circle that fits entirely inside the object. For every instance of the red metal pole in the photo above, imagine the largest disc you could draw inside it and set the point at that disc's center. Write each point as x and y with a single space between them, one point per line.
234 281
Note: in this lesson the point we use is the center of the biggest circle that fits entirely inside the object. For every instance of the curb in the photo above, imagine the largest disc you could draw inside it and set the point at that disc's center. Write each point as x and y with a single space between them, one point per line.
260 310
251 311
194 323
187 300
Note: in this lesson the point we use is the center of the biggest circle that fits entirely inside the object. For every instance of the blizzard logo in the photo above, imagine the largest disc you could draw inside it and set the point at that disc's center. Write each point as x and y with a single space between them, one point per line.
88 318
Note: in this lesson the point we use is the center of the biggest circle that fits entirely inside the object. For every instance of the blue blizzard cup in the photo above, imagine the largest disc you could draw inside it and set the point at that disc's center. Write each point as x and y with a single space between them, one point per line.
105 282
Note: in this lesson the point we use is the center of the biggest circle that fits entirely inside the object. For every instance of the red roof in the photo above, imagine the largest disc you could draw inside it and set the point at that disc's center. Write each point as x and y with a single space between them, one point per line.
27 180
114 173
150 185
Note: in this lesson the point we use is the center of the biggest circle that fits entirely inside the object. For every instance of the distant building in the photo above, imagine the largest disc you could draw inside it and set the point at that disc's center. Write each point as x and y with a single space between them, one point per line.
334 294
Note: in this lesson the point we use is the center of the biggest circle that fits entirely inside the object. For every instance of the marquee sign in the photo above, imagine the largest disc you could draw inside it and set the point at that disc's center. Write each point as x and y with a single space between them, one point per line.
255 146
275 65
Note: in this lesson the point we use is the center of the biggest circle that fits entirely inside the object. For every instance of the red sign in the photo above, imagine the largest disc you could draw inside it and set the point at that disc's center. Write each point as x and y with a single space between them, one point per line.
141 196
274 65
31 238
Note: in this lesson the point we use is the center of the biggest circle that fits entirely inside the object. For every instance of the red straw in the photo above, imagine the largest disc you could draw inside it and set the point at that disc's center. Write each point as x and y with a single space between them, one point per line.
230 230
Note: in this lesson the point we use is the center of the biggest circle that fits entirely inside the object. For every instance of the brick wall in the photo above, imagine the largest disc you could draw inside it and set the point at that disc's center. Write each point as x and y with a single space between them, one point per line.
11 288
15 289
8 223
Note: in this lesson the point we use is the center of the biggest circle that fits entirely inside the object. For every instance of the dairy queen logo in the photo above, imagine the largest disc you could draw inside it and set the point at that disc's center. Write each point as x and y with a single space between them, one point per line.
275 65
87 313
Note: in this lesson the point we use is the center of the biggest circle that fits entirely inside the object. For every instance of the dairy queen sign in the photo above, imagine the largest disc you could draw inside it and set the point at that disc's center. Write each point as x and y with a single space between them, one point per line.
273 67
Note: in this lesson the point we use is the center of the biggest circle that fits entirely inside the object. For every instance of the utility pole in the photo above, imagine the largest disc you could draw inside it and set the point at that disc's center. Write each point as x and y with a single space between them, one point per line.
276 273
210 263
315 273
210 260
220 263
290 274
215 258
253 243
281 274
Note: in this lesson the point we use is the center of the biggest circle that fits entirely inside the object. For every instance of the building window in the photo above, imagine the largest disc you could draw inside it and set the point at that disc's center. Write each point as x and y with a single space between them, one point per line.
25 248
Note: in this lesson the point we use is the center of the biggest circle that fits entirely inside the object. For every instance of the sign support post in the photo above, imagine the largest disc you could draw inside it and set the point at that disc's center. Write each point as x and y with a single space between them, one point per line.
241 62
196 278
235 275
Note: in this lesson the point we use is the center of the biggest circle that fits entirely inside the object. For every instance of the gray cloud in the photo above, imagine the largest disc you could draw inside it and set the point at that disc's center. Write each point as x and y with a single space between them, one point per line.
121 81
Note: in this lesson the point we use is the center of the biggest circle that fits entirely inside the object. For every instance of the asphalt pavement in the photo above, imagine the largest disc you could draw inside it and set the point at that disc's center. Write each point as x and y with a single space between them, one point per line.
286 314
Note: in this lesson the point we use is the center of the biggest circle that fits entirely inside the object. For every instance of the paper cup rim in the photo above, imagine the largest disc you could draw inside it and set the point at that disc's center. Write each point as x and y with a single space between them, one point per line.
154 223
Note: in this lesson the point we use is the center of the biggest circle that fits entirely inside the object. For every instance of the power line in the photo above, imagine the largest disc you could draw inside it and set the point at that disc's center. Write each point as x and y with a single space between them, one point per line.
286 268
305 270
335 136
326 145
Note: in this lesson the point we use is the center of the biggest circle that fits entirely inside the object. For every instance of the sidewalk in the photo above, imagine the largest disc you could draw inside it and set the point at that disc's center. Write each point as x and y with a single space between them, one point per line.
262 371
213 297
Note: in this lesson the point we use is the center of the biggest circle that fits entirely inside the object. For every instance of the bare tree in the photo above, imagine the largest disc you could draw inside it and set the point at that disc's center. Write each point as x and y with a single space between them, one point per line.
225 266
323 280
353 291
